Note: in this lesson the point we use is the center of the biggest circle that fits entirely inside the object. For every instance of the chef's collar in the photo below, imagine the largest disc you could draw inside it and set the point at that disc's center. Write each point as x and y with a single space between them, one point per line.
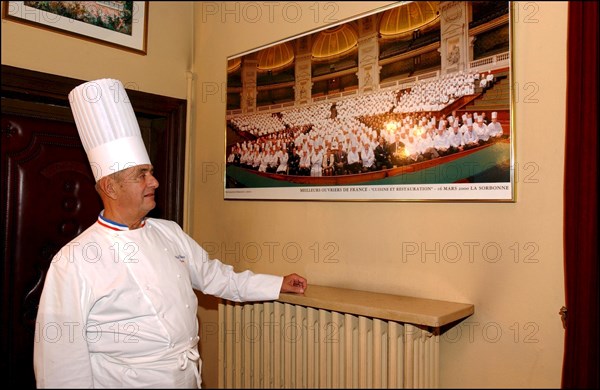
107 223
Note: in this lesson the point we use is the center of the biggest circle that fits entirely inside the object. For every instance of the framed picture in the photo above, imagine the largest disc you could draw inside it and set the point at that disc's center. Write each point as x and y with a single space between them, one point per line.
120 24
410 102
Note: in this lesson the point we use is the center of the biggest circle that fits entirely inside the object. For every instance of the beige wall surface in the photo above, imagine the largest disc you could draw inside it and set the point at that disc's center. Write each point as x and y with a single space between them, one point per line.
162 71
510 264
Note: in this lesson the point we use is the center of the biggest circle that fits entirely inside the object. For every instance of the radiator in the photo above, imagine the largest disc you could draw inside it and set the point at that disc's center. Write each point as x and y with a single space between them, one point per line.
283 345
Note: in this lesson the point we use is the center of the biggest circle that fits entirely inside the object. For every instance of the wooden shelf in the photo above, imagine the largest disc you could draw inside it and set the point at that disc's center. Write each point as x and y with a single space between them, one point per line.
417 311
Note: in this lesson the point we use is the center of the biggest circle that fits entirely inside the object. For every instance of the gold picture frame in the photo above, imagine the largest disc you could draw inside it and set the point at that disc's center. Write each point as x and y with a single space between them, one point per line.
295 90
119 24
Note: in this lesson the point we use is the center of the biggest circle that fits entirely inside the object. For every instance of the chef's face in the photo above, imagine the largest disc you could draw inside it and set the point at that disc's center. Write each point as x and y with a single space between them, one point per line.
136 189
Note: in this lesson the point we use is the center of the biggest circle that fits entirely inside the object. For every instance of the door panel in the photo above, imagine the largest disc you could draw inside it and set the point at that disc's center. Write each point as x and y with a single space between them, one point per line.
51 199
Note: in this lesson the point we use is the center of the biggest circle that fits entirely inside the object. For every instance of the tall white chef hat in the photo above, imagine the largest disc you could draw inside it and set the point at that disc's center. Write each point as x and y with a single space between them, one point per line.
107 126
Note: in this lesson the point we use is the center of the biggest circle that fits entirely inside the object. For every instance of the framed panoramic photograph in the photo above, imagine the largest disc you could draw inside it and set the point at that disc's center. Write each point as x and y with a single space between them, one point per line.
120 24
411 102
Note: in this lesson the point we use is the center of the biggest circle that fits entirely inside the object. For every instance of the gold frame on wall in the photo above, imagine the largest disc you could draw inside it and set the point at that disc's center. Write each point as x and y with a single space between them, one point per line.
482 173
113 24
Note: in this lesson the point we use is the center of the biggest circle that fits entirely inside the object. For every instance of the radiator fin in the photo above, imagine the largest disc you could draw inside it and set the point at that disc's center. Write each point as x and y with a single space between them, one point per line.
281 345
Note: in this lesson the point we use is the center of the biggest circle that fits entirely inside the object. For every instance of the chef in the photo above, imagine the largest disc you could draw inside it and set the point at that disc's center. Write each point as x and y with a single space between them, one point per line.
118 307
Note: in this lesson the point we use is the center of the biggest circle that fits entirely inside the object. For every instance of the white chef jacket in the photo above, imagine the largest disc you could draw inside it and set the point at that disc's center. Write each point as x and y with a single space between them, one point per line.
118 307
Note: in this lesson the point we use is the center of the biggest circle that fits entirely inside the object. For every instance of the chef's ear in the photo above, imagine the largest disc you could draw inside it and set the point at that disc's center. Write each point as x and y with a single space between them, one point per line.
107 187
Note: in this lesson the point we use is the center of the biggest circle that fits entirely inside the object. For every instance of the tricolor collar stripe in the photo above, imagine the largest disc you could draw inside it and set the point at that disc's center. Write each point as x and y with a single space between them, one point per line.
114 225
106 225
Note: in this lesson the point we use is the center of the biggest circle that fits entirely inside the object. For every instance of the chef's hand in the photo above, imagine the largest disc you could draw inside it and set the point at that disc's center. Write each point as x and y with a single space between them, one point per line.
293 283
